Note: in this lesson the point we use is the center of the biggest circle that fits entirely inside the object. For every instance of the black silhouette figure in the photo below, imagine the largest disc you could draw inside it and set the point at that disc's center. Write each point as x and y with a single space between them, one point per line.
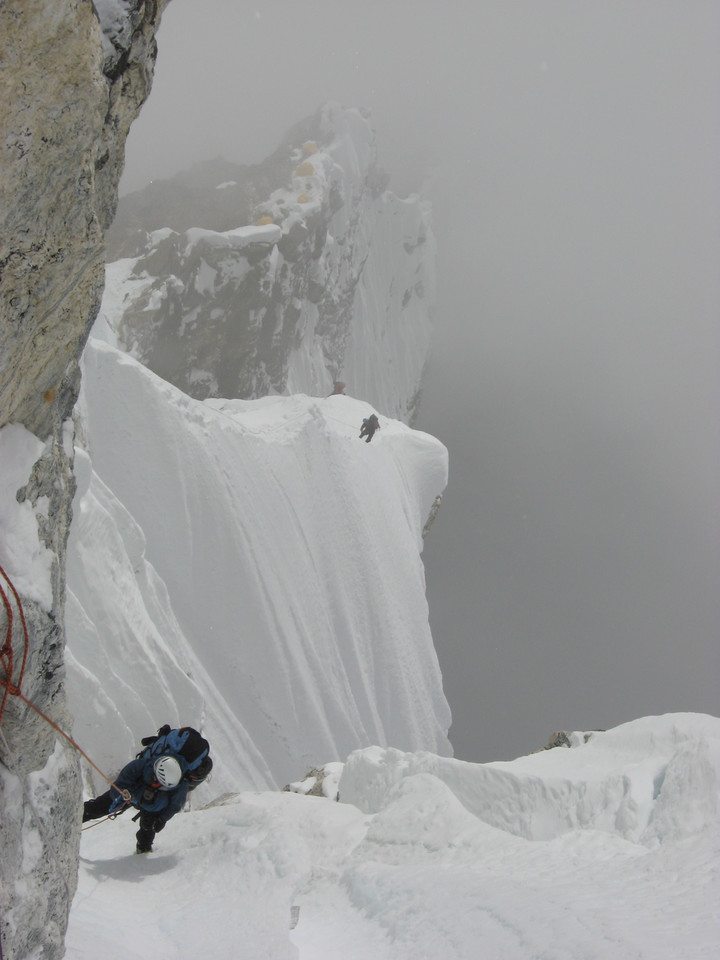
369 426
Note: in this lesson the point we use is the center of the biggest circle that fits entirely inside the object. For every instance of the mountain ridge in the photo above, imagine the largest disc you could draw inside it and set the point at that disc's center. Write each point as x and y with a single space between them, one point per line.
342 288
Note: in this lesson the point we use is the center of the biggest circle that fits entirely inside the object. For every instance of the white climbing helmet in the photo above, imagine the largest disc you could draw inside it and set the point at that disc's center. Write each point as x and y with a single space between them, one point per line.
167 772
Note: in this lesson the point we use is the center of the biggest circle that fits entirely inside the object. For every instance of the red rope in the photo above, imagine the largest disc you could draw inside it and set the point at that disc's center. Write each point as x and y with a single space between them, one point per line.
13 690
6 652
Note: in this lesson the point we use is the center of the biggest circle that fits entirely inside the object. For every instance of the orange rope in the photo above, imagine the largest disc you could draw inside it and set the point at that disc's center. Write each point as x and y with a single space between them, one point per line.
110 816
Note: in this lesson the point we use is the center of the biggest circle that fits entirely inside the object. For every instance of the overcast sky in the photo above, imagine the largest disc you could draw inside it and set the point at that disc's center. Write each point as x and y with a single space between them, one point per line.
572 152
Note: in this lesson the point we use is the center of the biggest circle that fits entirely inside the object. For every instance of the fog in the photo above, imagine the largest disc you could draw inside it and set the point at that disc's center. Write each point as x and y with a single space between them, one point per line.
571 151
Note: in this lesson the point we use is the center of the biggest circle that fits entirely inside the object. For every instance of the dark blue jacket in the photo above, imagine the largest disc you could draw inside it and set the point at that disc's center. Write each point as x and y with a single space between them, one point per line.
137 777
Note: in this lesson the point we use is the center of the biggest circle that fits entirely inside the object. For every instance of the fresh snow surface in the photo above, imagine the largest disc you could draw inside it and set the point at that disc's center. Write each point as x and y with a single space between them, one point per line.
606 851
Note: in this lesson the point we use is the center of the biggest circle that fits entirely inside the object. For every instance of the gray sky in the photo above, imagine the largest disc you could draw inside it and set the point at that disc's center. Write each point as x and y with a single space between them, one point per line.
572 153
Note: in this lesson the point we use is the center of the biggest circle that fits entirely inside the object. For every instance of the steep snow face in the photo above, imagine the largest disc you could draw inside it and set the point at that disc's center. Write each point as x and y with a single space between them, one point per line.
252 567
329 276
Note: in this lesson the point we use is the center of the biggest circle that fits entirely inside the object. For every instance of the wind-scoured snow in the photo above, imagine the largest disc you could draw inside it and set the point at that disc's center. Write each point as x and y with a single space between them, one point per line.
652 780
252 567
423 876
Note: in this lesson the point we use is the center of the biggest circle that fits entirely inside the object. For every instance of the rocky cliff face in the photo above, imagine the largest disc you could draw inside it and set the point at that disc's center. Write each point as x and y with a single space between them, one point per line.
73 75
286 276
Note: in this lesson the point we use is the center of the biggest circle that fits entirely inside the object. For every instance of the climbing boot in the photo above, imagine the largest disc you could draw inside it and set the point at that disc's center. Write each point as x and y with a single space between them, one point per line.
144 841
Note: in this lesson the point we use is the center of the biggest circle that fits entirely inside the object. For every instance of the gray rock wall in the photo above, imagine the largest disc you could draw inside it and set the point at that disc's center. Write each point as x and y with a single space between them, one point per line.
73 75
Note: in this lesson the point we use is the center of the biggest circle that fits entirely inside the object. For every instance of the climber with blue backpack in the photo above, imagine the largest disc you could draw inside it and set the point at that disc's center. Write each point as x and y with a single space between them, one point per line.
156 782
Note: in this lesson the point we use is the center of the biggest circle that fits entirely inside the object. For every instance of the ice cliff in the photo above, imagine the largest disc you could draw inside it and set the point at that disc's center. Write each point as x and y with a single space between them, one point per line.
251 567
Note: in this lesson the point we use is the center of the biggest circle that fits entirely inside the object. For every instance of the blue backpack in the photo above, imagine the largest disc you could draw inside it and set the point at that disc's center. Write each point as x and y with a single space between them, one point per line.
190 749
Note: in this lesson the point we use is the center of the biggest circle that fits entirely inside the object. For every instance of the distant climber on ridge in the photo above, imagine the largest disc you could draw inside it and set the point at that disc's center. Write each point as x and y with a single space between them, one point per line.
156 782
369 426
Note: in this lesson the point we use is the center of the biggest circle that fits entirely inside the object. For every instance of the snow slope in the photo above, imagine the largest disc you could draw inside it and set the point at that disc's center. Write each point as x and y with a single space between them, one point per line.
251 567
426 873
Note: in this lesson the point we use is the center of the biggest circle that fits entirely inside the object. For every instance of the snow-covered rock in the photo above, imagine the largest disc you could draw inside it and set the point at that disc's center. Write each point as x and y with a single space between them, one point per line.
321 781
298 272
